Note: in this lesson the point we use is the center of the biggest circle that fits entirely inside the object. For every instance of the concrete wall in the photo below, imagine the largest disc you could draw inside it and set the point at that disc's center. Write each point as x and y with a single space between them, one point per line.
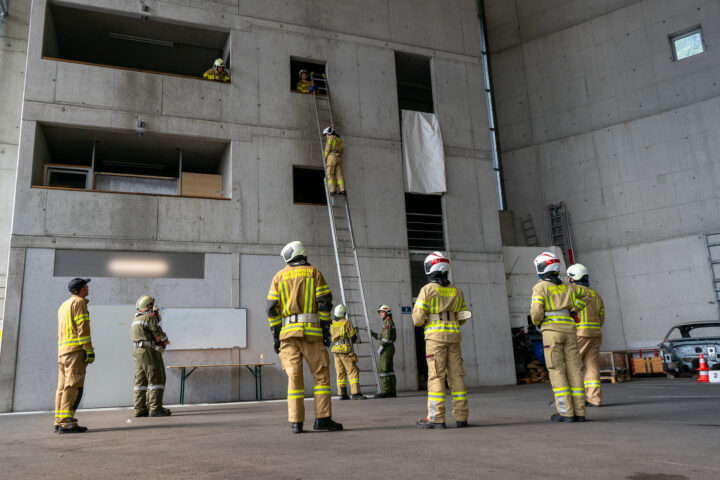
270 129
593 111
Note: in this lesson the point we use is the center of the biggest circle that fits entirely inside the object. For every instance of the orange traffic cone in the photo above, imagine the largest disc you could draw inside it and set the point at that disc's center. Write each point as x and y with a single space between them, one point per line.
703 371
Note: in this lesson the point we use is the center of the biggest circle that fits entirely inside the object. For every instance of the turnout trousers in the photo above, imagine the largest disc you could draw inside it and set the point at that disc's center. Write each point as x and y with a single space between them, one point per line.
444 360
385 370
590 356
292 352
562 359
71 378
149 380
333 168
347 370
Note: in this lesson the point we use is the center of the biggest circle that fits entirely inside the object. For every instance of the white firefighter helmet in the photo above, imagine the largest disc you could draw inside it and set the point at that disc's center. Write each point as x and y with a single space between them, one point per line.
436 262
144 303
340 311
577 272
547 262
384 308
329 131
219 63
293 250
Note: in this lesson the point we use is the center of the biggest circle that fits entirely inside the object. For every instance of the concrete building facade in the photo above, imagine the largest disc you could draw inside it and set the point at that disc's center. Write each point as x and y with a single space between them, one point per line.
254 130
594 110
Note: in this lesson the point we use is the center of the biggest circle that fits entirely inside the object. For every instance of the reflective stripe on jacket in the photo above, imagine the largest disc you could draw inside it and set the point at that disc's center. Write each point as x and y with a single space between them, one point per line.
215 75
303 87
297 290
434 298
146 326
334 145
73 326
341 331
592 316
559 299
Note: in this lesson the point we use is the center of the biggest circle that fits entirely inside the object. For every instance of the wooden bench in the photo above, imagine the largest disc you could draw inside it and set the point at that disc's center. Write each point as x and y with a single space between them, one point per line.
256 370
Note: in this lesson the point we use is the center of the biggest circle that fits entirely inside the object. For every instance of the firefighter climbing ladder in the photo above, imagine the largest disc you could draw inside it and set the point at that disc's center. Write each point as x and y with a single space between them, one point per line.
559 230
712 245
348 267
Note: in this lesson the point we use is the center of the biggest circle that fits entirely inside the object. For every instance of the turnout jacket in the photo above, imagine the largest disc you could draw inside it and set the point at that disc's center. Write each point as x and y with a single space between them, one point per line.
295 290
146 326
334 145
592 316
387 335
343 336
73 326
551 305
433 301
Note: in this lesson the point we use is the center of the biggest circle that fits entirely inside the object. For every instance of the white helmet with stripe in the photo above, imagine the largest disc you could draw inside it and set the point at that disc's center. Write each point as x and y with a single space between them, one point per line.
293 250
547 262
577 272
436 262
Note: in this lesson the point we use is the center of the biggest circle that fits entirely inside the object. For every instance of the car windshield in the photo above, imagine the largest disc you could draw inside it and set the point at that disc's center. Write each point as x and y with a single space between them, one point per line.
694 331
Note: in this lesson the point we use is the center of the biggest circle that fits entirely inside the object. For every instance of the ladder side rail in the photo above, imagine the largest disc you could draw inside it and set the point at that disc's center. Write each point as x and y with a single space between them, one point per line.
362 295
713 278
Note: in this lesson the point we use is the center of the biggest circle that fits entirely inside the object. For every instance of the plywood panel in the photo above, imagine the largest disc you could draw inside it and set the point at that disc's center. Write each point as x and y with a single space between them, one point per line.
201 185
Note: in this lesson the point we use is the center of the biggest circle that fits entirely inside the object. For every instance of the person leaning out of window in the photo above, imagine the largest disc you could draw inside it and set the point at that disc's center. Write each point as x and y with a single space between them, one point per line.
218 72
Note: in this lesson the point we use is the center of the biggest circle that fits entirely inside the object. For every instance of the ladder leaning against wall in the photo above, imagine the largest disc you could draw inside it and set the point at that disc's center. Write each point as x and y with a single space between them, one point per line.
712 246
348 267
559 230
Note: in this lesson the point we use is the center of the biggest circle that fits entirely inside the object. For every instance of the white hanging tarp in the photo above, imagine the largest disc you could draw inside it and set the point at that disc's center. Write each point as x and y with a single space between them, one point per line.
423 153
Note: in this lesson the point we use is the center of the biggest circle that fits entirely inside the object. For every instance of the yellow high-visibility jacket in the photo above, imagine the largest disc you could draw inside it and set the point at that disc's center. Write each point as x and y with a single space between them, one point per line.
436 299
341 332
592 316
334 145
216 76
303 87
551 305
296 290
73 326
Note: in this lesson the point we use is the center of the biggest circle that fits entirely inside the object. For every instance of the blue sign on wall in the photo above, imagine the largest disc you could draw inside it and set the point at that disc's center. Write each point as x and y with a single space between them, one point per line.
406 310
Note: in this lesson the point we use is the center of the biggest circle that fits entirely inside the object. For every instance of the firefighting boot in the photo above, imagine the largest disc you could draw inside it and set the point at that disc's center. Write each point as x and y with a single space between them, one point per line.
461 424
75 429
343 394
381 395
425 423
556 417
358 396
164 412
297 427
327 423
579 418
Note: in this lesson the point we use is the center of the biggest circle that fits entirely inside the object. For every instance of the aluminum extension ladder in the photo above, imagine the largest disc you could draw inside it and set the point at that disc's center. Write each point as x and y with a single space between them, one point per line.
559 231
712 246
348 267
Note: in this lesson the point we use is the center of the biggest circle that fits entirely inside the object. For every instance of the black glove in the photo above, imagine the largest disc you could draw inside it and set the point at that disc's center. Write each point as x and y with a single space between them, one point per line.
326 333
276 338
89 356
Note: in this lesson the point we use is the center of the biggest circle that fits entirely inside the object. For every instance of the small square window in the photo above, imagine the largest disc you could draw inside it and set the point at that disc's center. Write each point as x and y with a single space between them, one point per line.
301 84
309 186
687 44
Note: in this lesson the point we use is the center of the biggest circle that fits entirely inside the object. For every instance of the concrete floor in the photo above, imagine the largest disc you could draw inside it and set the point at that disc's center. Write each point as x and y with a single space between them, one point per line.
651 429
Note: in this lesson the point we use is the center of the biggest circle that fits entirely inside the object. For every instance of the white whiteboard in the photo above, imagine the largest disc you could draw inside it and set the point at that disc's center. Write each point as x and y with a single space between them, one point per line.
110 379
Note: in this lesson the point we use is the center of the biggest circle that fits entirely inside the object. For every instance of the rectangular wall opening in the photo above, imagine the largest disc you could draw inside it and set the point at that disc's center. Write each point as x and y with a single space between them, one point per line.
424 218
123 161
103 38
297 65
414 82
309 186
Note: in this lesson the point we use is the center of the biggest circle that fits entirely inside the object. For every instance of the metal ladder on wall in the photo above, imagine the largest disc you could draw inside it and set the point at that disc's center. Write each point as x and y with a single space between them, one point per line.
526 224
348 267
559 230
712 245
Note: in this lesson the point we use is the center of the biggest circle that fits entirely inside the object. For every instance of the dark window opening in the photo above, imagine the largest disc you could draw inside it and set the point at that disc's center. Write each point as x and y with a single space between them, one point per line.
103 38
414 82
296 65
417 280
309 186
424 218
123 161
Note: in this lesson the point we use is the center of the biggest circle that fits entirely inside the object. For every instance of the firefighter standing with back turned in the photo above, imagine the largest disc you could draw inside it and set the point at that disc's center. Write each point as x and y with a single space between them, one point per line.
149 341
333 161
75 352
550 309
298 308
386 352
440 309
589 335
344 336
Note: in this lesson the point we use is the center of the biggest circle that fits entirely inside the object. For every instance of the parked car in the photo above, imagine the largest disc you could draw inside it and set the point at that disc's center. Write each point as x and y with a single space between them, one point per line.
683 344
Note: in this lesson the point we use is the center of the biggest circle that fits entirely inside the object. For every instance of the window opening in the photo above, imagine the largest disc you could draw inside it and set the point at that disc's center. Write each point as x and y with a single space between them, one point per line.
103 38
688 43
414 82
424 219
309 186
296 66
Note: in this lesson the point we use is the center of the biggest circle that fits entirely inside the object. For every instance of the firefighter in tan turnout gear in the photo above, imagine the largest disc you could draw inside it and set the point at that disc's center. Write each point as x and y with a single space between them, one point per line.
589 334
551 309
149 341
75 352
298 308
440 309
333 161
343 336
